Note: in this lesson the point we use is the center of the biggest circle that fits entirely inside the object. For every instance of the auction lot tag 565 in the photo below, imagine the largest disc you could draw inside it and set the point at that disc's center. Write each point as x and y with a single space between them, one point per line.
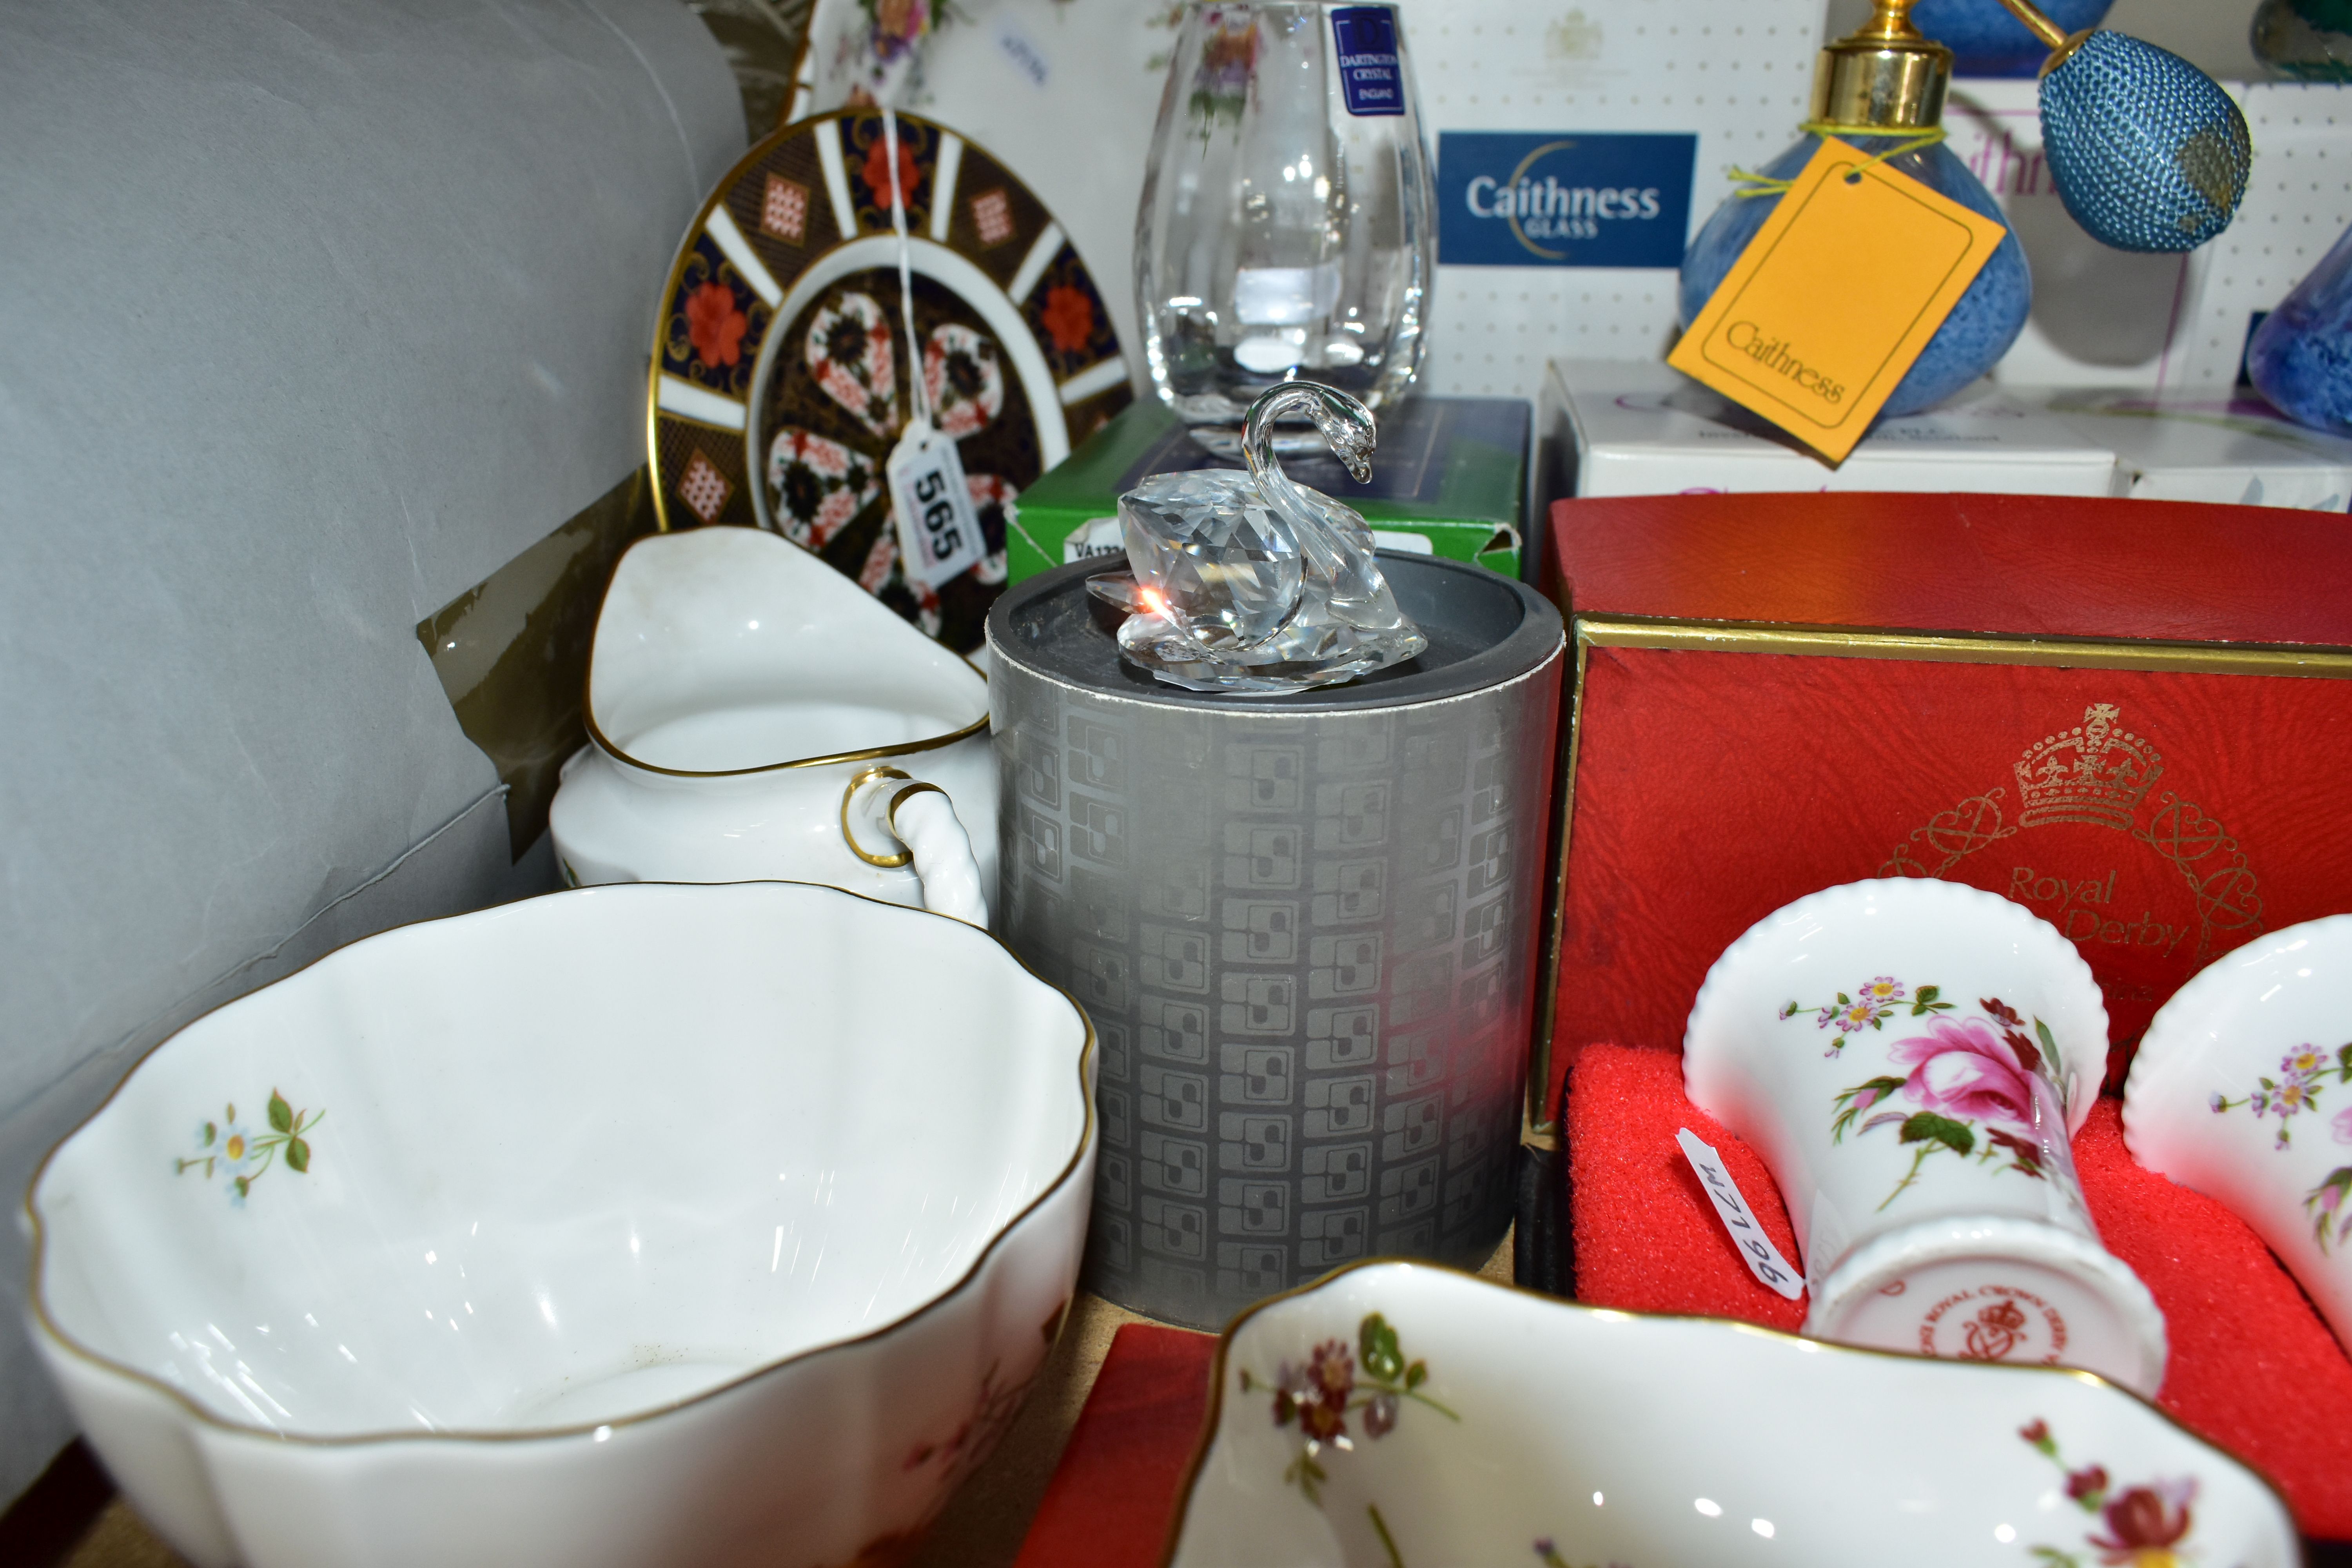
939 529
1839 292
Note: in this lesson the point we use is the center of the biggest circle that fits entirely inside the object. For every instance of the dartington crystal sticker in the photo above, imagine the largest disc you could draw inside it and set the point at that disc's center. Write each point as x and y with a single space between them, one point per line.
1371 79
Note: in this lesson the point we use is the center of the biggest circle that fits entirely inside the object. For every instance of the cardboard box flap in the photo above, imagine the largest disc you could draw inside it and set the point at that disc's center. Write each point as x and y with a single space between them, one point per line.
2006 566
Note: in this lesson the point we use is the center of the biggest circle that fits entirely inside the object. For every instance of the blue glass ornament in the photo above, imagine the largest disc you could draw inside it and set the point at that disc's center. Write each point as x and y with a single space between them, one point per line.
2301 358
1989 41
2147 150
2310 40
1972 337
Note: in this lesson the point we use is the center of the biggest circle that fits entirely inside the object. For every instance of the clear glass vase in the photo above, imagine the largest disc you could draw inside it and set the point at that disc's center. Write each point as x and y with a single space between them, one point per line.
1286 230
2300 356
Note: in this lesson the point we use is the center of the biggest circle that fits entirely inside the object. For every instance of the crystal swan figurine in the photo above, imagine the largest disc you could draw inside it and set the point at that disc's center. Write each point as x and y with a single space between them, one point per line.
1252 583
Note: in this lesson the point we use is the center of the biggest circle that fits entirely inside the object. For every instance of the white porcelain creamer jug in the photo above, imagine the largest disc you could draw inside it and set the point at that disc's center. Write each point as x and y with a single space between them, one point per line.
755 715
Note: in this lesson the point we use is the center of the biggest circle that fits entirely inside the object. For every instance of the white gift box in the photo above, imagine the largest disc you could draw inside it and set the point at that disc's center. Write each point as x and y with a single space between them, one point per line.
2233 448
1646 429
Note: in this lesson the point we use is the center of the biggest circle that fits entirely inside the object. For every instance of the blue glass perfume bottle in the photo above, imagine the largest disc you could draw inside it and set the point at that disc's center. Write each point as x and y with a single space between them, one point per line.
2300 356
1882 91
1988 41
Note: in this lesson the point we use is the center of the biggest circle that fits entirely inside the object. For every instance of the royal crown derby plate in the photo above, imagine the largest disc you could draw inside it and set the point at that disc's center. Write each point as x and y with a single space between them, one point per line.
2242 1090
1404 1415
781 374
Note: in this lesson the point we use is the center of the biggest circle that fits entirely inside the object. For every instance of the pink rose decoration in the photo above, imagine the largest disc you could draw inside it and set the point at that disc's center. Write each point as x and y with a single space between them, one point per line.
2342 1125
1964 1068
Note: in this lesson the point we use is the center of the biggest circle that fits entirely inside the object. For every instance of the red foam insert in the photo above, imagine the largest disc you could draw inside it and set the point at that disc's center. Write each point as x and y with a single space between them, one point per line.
2252 1366
1646 1236
1114 1495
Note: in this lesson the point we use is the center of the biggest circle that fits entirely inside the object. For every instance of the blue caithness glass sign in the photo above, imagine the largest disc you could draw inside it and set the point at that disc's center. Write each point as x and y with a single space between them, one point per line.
1369 78
1537 199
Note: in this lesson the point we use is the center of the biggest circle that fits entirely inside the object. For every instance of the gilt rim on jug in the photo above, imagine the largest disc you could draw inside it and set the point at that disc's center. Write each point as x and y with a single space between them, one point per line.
614 749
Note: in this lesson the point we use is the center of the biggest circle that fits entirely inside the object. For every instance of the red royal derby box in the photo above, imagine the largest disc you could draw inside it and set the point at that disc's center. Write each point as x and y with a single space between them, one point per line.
2133 718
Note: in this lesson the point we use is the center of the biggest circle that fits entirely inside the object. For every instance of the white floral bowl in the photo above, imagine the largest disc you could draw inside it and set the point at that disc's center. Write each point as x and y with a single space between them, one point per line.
644 1224
1404 1415
2242 1090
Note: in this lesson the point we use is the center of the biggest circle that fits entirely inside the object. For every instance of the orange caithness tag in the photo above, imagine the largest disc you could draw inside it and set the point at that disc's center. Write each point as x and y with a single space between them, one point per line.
1835 297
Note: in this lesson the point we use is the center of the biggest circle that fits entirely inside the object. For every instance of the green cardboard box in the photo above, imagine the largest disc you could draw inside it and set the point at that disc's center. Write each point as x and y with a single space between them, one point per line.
1450 470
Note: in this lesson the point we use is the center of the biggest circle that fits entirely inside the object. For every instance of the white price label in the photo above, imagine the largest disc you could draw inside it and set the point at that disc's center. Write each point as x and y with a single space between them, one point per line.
1763 1259
939 529
1095 536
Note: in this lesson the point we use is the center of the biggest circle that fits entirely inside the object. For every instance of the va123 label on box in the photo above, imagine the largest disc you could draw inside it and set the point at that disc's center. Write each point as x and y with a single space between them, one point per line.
1538 199
1839 293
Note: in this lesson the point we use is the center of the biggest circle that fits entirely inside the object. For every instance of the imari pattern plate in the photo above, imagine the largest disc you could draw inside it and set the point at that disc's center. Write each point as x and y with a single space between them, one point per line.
781 376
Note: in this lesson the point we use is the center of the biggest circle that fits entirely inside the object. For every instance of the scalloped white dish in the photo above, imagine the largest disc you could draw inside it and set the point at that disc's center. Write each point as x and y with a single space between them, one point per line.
1404 1415
598 1229
1911 1058
2242 1090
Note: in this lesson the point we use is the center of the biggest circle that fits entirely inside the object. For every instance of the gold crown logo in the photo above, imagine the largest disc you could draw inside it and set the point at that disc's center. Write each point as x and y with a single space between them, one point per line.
2094 773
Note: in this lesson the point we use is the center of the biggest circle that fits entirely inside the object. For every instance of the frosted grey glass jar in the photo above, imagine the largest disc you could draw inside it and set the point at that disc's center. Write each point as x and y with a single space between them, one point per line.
1285 229
1305 927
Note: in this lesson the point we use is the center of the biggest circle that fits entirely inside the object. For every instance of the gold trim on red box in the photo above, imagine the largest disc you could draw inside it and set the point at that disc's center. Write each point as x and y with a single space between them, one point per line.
1963 648
1673 636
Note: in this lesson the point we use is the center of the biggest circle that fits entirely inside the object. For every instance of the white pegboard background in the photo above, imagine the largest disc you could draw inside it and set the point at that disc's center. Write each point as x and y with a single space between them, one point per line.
2211 35
2297 203
2106 318
2101 317
2163 323
1737 72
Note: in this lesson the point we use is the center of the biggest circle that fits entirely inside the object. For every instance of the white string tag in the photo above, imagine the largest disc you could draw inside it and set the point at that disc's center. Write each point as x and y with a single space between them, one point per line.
1756 1248
939 528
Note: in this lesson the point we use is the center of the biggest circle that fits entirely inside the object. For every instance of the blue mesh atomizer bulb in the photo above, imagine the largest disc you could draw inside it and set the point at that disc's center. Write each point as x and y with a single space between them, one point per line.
2147 150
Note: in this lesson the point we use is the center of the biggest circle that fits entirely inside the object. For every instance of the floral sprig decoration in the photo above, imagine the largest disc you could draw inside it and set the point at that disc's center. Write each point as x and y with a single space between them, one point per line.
1221 82
2302 1072
2145 1526
2330 1203
1331 1386
2327 1204
896 27
228 1146
1869 1008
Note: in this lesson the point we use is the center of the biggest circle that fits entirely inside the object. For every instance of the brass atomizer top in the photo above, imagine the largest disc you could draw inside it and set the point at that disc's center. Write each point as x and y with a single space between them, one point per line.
1888 76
